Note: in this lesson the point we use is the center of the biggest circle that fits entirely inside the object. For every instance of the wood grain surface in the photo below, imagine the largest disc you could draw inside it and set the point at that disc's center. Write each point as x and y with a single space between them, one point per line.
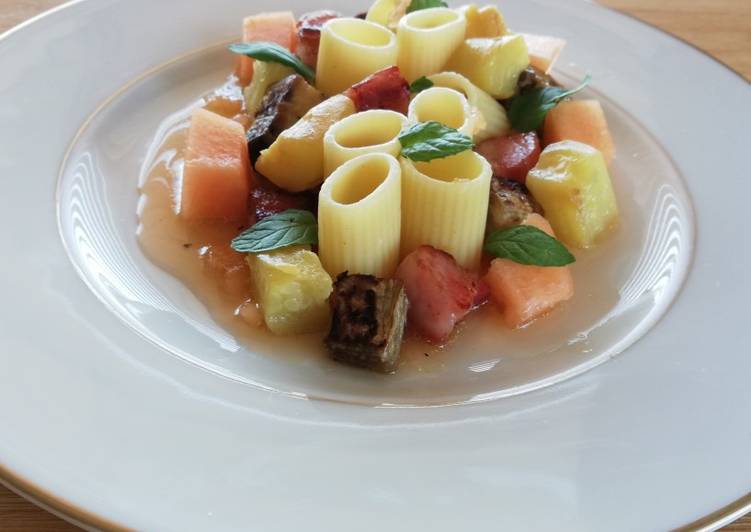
722 28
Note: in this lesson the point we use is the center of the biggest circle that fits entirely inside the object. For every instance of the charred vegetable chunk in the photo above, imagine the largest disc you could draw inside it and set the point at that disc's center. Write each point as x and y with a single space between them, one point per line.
309 34
510 204
386 89
368 320
532 78
283 105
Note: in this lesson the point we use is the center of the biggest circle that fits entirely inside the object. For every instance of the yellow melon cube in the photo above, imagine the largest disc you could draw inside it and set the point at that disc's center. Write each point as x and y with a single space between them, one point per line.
294 161
293 290
583 121
572 184
494 65
485 22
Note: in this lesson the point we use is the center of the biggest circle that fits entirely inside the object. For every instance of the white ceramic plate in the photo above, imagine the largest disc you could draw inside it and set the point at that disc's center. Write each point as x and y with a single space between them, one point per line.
123 403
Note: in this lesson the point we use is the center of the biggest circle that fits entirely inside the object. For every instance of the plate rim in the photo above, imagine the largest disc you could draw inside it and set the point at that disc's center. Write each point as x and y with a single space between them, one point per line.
80 516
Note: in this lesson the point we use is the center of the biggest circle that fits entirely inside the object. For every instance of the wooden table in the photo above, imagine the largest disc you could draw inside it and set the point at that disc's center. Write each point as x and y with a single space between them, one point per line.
720 27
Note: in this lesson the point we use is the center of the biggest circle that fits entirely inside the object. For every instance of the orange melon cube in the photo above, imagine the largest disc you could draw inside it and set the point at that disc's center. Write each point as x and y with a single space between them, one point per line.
216 178
583 121
525 293
278 27
543 50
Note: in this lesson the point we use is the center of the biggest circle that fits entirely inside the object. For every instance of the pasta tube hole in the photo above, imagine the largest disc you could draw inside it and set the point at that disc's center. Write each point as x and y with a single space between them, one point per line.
360 178
465 166
430 19
443 105
361 32
381 128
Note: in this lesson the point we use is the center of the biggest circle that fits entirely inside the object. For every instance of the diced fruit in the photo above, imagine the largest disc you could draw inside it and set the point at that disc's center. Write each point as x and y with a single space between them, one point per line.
368 320
284 104
309 35
386 89
293 289
510 204
572 184
279 27
440 292
486 22
494 65
543 51
267 200
294 161
388 12
525 293
512 157
225 107
264 76
216 179
583 121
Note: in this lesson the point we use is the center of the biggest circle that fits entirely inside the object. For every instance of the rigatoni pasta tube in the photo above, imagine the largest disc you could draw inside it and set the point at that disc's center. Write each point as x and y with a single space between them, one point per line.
489 116
445 205
375 131
352 49
427 39
443 105
359 217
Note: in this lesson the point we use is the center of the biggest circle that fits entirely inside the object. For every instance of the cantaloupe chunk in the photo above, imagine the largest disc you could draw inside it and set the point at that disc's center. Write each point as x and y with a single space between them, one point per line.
525 293
278 27
572 183
216 178
583 121
544 51
294 161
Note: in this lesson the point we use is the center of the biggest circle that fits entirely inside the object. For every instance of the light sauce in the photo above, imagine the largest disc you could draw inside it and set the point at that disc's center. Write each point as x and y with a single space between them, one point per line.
199 254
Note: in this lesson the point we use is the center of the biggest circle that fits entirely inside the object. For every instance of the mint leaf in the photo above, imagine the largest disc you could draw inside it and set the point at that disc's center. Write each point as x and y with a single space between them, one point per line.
417 5
420 85
528 245
432 140
292 227
528 110
270 52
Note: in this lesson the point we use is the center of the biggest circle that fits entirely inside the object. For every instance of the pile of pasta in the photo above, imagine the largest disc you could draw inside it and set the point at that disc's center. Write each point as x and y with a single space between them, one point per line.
331 100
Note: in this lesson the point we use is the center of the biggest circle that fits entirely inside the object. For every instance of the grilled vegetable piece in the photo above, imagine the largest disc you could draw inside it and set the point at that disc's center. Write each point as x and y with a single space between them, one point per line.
294 161
510 204
386 89
293 289
284 104
513 156
572 183
441 293
532 78
494 65
309 35
368 320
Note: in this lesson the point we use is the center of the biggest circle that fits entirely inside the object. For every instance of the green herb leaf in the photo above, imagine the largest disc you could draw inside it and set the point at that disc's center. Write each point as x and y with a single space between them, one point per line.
432 140
270 52
420 85
528 110
292 227
417 5
528 245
